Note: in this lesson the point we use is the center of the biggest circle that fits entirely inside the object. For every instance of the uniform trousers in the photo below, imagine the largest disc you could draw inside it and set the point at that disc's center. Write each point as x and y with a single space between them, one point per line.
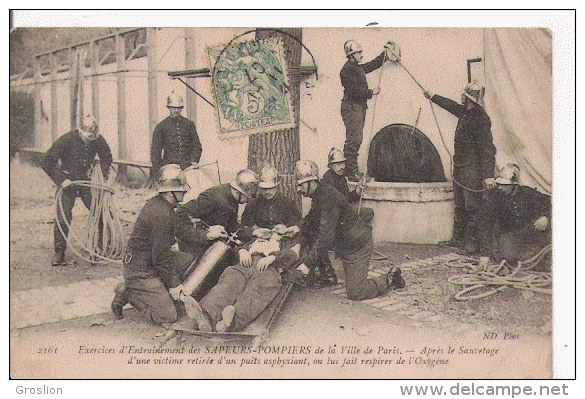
68 197
148 294
247 289
354 117
355 266
467 205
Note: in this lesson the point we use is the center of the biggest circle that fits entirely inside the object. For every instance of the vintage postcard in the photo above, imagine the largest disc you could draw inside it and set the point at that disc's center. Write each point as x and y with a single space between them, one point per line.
432 259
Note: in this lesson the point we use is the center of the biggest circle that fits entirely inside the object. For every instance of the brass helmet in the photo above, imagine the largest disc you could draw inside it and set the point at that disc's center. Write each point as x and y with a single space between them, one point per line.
175 101
509 174
473 91
335 156
89 122
172 179
268 177
350 47
246 182
306 170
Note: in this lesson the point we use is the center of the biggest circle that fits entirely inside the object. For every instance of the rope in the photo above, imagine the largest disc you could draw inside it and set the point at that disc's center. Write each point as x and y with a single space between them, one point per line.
438 127
489 279
376 100
96 245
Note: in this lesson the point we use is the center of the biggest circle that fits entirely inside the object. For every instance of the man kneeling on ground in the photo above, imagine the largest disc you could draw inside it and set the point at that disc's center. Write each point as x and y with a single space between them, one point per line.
152 269
246 289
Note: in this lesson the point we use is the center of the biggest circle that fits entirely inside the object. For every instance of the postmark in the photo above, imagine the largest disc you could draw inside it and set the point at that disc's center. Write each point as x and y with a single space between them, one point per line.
250 86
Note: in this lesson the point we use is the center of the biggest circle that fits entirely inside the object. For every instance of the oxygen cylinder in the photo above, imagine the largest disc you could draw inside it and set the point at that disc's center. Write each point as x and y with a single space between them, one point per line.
210 259
198 182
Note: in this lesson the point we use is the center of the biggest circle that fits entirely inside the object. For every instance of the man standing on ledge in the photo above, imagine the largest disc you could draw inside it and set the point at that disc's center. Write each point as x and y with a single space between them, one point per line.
356 93
175 139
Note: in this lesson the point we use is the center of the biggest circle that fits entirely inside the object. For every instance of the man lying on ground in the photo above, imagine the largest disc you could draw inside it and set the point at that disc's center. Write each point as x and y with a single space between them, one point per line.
246 289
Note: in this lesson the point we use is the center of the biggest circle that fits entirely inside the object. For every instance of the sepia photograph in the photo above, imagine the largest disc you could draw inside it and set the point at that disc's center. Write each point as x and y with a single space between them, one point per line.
237 200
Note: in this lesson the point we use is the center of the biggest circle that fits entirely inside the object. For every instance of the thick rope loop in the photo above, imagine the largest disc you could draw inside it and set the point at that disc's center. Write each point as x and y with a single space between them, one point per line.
96 245
492 279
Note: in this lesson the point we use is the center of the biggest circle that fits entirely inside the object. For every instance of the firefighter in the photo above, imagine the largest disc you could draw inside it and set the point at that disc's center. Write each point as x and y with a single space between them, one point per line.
335 177
356 93
332 224
70 158
219 205
517 218
270 208
175 139
153 272
473 165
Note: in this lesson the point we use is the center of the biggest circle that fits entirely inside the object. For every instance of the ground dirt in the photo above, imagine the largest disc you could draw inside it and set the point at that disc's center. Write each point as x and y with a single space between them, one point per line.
328 318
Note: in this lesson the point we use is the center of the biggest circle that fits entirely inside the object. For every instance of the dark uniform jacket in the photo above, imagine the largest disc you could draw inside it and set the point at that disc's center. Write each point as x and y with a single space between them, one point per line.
515 212
353 80
473 137
268 213
76 157
340 183
332 224
155 232
178 138
214 206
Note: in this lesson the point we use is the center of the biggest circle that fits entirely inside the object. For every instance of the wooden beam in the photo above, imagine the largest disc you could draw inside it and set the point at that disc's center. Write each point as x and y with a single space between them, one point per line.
190 62
151 55
121 90
54 102
95 86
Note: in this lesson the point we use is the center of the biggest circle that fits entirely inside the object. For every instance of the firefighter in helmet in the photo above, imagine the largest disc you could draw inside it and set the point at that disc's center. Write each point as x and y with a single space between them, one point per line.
356 93
175 139
219 205
473 164
333 224
517 219
271 208
153 271
70 158
335 176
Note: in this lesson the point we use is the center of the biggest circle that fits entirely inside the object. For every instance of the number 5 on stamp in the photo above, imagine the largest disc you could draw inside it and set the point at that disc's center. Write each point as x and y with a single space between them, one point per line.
250 87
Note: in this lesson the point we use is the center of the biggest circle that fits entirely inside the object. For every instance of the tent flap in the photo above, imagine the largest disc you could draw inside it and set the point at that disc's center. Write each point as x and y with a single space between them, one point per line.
518 74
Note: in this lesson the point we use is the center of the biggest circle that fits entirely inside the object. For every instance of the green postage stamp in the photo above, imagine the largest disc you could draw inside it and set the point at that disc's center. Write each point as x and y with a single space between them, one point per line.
251 88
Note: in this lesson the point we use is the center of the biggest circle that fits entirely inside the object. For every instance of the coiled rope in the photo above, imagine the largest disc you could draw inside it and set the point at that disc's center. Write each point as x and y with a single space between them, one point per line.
489 279
96 245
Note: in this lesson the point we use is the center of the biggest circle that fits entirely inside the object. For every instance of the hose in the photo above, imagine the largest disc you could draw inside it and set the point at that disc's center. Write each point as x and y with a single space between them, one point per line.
102 239
490 279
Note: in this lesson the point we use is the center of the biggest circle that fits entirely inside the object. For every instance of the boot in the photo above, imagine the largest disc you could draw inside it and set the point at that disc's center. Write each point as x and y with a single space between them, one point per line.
453 243
196 312
327 277
468 249
293 276
120 300
394 278
58 258
227 318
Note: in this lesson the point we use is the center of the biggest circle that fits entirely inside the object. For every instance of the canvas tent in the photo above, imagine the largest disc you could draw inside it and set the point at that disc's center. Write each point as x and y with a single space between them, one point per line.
518 74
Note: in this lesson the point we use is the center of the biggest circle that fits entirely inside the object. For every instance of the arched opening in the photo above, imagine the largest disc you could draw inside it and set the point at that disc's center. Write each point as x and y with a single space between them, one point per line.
401 153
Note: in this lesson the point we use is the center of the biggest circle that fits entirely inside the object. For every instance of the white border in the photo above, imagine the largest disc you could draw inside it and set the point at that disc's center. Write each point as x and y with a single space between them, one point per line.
561 22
